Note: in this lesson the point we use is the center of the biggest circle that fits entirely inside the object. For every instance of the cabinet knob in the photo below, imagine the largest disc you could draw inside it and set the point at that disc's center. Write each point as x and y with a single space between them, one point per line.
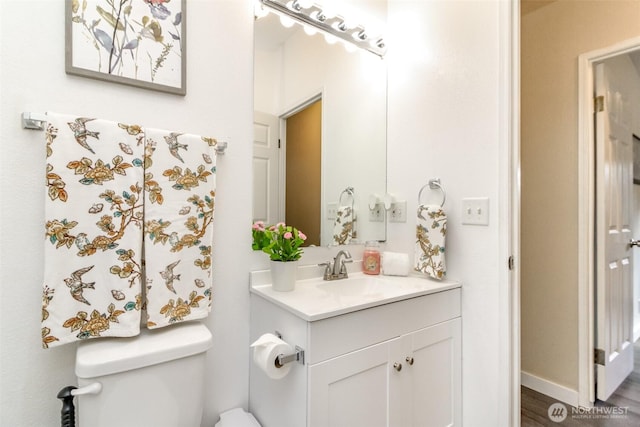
409 360
397 366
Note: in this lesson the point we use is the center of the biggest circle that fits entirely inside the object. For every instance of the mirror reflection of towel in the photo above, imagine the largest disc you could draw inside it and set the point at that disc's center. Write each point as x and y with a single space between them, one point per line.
431 232
344 227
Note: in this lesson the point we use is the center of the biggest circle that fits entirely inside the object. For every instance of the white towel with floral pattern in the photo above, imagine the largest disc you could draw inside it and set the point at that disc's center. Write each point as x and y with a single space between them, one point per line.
93 228
431 232
344 226
180 184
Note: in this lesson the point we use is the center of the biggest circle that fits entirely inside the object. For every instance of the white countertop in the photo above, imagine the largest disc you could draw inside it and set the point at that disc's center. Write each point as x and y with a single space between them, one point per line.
315 299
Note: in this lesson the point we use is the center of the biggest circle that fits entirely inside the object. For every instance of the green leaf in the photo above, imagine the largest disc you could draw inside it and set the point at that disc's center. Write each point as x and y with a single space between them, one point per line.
110 18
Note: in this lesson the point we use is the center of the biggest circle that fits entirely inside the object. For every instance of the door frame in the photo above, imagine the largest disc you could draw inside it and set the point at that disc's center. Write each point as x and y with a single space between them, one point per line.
586 214
509 248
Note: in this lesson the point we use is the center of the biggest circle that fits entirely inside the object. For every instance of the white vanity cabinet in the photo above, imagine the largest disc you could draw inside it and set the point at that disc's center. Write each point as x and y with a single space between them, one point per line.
413 380
395 365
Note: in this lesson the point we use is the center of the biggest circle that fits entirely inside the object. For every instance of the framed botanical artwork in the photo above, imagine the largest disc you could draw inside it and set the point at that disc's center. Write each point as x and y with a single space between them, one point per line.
636 159
135 42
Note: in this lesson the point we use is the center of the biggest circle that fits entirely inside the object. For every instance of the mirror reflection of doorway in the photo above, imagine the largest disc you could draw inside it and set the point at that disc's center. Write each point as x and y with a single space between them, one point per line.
303 171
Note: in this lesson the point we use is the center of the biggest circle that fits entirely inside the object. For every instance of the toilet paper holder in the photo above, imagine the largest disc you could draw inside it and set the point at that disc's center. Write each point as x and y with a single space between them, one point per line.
283 359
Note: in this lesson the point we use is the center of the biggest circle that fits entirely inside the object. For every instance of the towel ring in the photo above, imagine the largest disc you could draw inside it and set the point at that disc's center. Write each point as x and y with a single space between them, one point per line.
433 184
349 191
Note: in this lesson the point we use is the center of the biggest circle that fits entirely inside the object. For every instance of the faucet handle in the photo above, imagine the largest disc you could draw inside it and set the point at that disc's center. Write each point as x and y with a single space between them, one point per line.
328 266
343 267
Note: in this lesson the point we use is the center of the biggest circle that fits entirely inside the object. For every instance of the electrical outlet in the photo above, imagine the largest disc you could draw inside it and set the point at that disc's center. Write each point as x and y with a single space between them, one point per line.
398 211
332 211
377 213
475 211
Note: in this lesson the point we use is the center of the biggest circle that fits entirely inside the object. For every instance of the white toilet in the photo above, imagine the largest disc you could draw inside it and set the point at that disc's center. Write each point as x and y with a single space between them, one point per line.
153 380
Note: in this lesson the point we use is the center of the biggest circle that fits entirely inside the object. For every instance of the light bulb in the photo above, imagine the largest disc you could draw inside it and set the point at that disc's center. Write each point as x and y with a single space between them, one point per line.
286 21
259 11
350 47
330 39
309 30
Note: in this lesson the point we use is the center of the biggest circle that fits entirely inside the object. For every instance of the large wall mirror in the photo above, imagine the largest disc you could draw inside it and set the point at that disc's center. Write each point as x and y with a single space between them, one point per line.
320 127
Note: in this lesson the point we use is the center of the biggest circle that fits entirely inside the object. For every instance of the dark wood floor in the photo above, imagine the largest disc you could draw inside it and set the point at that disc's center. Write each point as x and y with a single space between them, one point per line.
535 406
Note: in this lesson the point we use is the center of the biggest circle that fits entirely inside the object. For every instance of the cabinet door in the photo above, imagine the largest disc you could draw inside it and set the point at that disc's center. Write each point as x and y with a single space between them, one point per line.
351 390
434 395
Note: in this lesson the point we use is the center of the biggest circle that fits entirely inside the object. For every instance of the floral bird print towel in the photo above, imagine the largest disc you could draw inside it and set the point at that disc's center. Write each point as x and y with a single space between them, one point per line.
431 232
93 229
180 175
116 191
344 226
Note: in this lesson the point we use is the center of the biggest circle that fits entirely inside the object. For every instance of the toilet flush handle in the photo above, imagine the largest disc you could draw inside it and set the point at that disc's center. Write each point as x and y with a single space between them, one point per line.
68 412
93 388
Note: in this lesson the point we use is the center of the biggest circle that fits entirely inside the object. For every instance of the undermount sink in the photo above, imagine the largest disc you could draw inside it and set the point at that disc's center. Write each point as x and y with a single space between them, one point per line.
368 286
315 299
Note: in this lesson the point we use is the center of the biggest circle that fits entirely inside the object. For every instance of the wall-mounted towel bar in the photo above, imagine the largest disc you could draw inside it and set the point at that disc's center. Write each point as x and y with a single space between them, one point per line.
37 121
33 121
433 184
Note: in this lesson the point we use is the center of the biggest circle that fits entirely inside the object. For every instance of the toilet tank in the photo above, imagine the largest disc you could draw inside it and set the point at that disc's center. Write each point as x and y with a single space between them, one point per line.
155 379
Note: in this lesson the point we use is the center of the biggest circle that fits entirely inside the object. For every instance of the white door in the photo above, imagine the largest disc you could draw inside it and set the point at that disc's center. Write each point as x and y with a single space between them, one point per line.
614 175
266 168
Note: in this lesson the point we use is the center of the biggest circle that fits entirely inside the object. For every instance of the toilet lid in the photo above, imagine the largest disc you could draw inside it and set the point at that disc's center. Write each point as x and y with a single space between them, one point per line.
106 356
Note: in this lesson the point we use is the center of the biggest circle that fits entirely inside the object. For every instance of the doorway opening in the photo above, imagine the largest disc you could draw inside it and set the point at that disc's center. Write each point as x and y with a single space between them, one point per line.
597 327
303 170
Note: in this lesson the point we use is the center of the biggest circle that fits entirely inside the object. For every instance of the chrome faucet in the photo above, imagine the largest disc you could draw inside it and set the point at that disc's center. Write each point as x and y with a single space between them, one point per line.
337 269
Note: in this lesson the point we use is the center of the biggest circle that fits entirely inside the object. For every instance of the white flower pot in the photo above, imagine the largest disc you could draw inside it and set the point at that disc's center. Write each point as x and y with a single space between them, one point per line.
283 275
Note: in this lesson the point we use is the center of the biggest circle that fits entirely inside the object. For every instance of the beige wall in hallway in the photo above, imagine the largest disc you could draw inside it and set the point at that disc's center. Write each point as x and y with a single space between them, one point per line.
552 39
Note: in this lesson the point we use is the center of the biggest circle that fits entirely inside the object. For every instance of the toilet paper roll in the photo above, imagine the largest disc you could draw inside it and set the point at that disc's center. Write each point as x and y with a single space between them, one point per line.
265 351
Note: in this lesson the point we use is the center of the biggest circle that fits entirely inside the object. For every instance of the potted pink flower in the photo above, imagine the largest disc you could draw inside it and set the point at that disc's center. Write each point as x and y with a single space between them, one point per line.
280 241
283 245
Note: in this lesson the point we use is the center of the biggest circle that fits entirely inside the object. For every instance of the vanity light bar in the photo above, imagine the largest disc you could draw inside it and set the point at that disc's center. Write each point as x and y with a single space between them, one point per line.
334 25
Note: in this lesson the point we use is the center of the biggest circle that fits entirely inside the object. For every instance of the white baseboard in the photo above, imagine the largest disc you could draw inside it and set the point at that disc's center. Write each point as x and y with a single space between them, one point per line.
551 389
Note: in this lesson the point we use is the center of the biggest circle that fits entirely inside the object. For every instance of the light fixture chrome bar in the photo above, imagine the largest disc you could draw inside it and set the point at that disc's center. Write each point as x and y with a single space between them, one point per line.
334 25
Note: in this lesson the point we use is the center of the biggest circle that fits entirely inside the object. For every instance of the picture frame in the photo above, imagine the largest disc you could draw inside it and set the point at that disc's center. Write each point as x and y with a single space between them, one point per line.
636 159
138 43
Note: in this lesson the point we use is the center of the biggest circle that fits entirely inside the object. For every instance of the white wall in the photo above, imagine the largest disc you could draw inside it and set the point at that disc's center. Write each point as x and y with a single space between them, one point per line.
444 121
444 87
218 102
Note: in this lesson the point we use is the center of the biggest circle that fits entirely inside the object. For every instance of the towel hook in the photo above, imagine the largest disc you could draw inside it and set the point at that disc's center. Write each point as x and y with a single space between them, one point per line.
433 184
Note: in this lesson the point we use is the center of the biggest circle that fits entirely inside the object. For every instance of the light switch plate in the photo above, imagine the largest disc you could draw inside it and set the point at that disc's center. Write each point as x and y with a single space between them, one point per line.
475 211
332 211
